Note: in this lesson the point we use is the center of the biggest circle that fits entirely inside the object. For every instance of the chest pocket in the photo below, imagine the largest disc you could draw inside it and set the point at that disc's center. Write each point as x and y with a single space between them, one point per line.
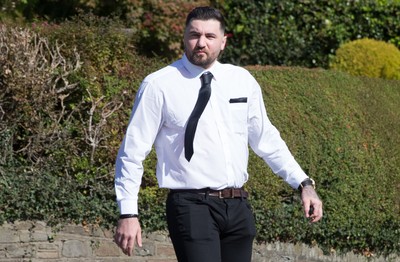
238 109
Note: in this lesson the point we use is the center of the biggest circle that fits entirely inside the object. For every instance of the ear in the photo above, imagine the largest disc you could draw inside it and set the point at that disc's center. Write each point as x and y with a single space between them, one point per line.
223 43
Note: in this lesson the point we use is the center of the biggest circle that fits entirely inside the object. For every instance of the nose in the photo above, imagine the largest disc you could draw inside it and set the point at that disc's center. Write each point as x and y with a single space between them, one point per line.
201 42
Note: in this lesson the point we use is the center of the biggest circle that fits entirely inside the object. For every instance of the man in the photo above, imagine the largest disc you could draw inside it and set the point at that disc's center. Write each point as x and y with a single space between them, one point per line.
202 152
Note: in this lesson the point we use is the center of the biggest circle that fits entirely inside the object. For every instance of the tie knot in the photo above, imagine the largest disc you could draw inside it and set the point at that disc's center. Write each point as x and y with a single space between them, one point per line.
206 78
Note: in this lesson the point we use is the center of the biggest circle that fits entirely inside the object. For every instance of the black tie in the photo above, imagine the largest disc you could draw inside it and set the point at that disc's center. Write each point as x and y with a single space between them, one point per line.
202 100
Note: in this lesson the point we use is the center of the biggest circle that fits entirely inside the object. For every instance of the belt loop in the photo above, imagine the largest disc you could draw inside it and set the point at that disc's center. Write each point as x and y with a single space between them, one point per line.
207 193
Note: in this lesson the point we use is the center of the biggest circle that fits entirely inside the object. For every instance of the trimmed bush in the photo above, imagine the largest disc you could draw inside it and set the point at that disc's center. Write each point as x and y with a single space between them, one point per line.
342 131
303 33
368 57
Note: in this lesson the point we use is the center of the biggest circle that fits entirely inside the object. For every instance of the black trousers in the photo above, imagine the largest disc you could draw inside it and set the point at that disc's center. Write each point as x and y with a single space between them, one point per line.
204 228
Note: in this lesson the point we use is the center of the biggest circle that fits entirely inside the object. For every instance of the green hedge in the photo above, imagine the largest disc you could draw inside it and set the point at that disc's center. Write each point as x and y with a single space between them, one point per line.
343 130
304 33
274 32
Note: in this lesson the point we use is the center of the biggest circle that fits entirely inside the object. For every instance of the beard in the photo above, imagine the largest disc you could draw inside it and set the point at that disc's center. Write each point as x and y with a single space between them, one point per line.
204 60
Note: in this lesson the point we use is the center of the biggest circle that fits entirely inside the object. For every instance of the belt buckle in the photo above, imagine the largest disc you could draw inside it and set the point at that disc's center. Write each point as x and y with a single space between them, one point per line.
231 190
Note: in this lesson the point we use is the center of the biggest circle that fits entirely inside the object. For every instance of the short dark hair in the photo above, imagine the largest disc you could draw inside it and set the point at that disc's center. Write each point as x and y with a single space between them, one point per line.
206 13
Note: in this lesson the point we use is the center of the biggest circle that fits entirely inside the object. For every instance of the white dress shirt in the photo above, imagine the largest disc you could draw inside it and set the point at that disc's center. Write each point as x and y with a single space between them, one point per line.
234 117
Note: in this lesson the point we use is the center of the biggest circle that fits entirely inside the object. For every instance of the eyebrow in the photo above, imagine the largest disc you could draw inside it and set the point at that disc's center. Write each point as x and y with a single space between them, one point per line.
195 32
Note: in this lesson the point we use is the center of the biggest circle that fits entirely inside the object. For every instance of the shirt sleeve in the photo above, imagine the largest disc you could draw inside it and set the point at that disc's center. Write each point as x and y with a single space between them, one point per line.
144 123
266 142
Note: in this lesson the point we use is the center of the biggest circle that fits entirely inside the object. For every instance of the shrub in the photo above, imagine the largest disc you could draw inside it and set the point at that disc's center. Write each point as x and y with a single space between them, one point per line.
61 115
292 33
303 33
341 130
368 57
160 25
34 79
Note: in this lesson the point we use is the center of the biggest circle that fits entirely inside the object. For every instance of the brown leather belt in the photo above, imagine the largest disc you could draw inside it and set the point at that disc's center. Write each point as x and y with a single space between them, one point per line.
223 193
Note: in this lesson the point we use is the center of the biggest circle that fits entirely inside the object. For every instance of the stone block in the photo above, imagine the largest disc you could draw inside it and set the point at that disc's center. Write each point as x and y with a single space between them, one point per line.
23 225
76 249
19 251
74 229
47 254
33 236
8 235
148 249
97 232
107 249
47 251
39 236
24 236
108 233
165 250
158 236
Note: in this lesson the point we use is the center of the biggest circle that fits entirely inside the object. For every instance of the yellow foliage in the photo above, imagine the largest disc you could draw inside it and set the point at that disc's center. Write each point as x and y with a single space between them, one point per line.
368 57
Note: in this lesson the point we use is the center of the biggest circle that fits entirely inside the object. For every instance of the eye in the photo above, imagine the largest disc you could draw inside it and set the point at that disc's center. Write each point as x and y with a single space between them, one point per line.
211 36
193 35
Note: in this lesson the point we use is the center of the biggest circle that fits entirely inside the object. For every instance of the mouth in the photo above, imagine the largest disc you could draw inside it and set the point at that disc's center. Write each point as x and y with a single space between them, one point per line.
200 52
201 55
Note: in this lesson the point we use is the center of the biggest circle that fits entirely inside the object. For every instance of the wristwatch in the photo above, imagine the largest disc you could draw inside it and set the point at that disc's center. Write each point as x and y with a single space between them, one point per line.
124 216
306 182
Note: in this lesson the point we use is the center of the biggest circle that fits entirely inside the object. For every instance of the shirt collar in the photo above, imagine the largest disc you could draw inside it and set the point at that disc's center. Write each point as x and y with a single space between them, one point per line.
196 71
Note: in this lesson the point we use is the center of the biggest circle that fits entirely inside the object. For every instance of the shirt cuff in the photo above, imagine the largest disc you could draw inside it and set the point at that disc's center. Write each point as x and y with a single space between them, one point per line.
128 207
296 179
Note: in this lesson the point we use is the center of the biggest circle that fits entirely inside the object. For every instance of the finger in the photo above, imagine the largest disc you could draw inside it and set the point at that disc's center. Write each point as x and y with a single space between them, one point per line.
317 214
315 219
123 244
139 238
306 206
118 239
129 246
311 211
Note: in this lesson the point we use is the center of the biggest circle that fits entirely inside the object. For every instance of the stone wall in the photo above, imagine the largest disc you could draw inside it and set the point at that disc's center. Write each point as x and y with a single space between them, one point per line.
35 241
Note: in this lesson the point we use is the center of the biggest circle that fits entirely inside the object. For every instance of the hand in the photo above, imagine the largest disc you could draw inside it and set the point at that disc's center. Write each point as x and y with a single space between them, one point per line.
128 231
311 203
